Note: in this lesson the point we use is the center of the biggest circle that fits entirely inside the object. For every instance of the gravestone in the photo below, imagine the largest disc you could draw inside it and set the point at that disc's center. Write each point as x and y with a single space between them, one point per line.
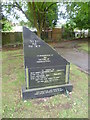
46 72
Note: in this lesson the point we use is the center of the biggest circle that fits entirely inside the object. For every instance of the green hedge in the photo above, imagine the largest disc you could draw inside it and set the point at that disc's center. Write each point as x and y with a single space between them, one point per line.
11 38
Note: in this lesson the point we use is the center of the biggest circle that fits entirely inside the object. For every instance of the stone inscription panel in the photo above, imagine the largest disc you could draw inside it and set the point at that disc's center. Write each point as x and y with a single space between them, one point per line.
49 91
41 77
37 53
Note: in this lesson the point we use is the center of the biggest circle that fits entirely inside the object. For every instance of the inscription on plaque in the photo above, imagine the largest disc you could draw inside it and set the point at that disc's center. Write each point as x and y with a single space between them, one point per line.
49 91
33 44
44 58
47 76
41 77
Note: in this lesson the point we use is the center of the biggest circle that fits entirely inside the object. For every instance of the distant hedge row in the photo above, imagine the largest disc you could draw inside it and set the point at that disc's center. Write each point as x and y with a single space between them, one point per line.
12 38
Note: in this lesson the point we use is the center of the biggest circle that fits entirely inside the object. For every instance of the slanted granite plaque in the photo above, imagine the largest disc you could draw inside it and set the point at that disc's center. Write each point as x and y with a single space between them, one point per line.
46 72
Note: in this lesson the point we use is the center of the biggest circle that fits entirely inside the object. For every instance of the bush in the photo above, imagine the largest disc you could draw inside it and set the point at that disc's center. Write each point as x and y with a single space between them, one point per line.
68 30
11 38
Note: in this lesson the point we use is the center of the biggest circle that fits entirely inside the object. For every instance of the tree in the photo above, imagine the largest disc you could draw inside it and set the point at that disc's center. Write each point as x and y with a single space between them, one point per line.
68 30
6 25
78 13
39 14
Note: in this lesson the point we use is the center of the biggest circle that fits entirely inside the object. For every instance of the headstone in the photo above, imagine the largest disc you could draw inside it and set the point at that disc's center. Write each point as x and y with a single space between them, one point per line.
46 72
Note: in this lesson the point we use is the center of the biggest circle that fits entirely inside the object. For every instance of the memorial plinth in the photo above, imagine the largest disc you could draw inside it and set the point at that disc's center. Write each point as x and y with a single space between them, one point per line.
46 72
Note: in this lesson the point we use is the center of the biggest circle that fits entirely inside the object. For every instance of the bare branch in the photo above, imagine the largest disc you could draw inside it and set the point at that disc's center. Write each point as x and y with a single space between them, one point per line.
19 7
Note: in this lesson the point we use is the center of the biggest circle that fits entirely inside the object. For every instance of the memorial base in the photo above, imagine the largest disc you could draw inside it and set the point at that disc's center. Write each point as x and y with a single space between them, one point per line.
45 91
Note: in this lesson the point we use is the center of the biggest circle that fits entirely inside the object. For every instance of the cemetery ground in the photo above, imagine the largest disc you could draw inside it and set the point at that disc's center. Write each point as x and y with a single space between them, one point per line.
76 52
59 106
80 44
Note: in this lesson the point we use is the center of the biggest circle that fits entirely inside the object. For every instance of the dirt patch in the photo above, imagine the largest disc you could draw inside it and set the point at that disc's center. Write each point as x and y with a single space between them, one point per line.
46 107
62 106
57 106
66 106
7 48
11 57
51 106
40 100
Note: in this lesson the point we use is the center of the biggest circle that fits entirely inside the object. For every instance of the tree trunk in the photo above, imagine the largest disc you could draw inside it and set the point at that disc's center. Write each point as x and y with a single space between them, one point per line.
39 33
38 27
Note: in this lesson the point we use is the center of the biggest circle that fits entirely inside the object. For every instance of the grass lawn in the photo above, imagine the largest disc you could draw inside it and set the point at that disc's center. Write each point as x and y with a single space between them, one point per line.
58 106
84 46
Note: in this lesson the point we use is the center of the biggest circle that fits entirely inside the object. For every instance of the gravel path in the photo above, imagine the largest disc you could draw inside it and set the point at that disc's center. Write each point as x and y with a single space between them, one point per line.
75 57
70 53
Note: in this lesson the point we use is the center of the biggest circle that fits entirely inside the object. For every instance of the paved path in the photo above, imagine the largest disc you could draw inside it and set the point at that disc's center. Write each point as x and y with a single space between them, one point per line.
81 59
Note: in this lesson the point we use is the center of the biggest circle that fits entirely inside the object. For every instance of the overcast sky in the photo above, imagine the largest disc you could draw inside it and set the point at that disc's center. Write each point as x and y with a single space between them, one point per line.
22 16
61 20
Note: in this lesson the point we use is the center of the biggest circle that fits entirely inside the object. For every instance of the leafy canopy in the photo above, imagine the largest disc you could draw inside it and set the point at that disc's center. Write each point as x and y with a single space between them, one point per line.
40 14
79 14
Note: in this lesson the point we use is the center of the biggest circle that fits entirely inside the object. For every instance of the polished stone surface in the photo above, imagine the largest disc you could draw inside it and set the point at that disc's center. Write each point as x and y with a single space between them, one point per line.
44 67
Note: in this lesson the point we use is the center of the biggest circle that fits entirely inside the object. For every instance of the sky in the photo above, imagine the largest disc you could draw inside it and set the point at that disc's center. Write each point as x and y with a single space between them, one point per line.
60 20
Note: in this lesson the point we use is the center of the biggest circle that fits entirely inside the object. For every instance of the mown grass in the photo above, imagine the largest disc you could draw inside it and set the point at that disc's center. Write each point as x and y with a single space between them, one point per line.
58 106
84 46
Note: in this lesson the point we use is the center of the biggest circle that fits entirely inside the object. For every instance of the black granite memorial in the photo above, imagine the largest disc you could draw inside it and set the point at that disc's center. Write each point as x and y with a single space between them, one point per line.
46 72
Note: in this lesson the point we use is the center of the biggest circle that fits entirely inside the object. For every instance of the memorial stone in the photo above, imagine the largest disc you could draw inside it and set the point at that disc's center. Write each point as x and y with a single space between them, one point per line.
46 72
